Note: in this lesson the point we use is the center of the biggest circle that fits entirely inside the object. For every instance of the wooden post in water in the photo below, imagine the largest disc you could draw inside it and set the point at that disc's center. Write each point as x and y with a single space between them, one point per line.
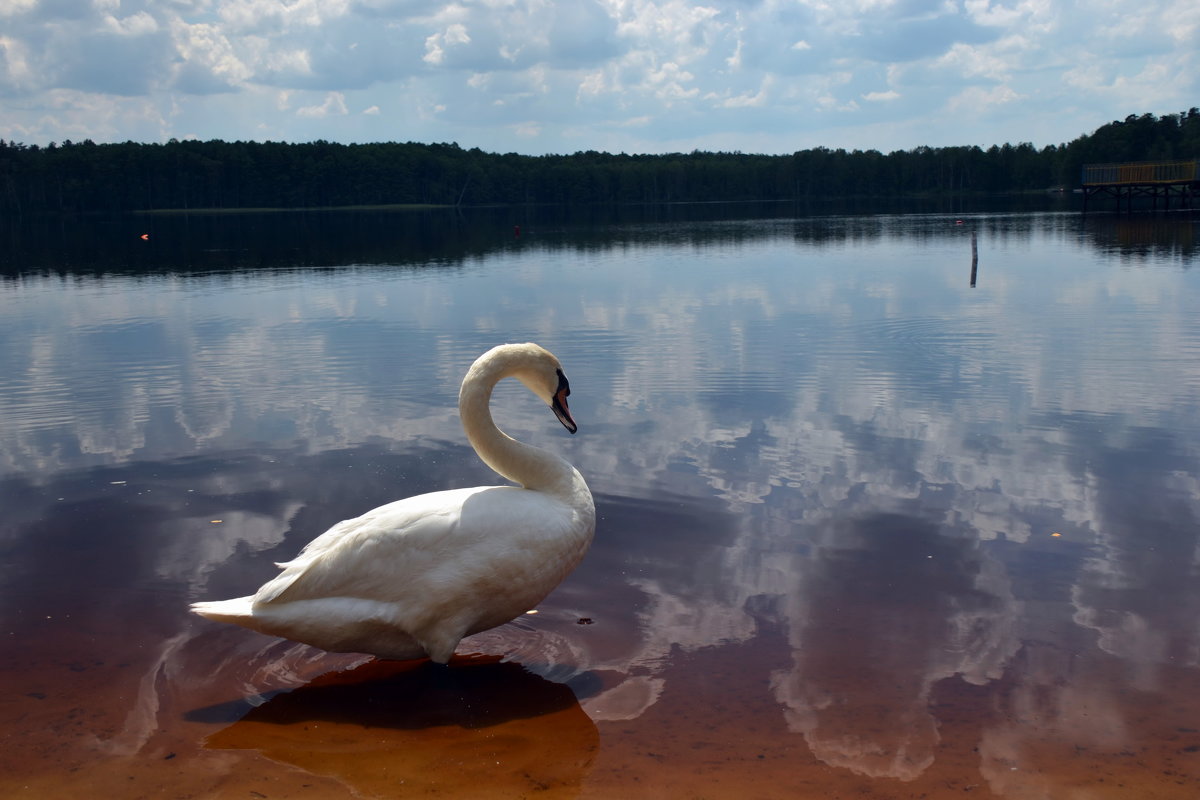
974 259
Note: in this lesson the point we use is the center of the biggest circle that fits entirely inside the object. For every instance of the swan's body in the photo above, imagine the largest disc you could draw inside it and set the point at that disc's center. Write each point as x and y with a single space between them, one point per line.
413 577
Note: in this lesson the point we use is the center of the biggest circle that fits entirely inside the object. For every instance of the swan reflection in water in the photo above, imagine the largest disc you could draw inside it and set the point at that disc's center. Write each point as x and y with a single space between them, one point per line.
387 727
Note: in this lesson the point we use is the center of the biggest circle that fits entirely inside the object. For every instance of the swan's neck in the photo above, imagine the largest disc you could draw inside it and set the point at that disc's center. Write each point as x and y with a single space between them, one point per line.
521 463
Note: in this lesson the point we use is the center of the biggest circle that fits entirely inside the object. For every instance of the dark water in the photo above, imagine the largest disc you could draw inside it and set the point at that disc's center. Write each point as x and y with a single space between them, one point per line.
866 530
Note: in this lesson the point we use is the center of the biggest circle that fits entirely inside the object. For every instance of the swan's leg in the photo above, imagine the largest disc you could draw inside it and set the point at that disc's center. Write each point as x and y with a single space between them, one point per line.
441 641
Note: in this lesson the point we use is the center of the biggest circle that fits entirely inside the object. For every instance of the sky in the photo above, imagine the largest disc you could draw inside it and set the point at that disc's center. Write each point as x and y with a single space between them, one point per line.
562 76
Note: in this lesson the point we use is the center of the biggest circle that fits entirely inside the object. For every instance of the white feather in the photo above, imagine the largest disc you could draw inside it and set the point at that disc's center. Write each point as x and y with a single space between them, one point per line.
411 578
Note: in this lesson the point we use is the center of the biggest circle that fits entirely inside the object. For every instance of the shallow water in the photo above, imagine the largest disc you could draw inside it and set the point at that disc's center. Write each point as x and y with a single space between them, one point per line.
865 530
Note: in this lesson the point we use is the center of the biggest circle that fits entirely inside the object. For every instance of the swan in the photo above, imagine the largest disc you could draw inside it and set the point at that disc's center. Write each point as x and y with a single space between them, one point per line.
411 578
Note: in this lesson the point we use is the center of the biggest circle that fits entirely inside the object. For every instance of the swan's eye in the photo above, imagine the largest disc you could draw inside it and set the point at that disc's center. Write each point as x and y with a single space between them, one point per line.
564 388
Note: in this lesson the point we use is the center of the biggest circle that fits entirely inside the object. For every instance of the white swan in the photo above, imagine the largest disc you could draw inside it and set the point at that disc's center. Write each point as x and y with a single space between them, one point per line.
413 577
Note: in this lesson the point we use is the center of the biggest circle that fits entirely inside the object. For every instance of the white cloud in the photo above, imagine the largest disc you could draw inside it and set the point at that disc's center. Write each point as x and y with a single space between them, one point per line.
334 104
1183 22
974 61
756 100
276 15
592 84
15 70
1023 12
528 130
668 82
436 44
713 74
978 100
208 56
134 25
288 62
12 8
881 97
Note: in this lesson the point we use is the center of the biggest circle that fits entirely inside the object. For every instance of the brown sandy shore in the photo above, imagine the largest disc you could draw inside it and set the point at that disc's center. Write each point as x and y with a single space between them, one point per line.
172 724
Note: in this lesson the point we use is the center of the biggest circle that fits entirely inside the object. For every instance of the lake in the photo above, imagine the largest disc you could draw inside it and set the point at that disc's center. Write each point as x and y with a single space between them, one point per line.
875 519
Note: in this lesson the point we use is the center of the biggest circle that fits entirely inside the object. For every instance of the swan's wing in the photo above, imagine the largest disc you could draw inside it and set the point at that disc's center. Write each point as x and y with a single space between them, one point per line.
368 556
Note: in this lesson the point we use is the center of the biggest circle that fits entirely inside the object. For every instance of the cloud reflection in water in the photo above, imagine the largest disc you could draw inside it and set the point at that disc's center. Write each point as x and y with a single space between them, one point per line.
824 442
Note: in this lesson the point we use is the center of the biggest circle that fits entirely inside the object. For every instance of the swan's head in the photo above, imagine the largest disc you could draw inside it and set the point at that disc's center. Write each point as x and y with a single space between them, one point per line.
541 373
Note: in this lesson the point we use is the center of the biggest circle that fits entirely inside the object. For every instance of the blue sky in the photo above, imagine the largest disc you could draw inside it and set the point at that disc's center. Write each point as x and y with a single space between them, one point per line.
558 76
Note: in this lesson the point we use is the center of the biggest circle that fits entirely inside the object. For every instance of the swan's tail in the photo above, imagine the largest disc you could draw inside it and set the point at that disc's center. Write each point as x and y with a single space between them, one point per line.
237 610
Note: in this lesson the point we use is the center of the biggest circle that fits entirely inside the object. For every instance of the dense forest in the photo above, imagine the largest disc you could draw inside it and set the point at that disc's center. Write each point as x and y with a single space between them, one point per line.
84 176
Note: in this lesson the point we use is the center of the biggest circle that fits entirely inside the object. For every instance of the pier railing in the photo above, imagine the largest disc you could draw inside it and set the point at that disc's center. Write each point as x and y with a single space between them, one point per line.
1142 172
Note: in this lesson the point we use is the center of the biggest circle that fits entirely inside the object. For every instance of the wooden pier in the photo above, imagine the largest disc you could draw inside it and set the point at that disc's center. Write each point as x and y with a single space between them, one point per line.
1153 179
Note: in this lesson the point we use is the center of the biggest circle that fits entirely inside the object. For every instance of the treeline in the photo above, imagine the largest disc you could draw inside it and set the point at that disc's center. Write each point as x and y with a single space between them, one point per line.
84 176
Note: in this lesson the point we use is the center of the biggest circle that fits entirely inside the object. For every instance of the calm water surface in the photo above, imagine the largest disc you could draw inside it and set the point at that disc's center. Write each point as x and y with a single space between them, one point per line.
865 530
